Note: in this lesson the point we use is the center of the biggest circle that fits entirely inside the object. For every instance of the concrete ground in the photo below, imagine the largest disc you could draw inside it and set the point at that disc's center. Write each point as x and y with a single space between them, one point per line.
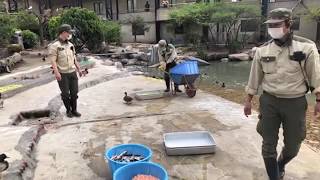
74 148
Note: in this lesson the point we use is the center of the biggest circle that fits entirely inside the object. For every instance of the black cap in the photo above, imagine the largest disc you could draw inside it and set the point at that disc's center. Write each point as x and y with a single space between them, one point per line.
65 28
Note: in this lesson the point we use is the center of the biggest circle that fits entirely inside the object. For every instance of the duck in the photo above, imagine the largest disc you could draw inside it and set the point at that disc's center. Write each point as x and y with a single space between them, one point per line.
4 165
127 99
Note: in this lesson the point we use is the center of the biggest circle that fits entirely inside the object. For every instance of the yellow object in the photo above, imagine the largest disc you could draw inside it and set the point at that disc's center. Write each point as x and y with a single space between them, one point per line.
9 87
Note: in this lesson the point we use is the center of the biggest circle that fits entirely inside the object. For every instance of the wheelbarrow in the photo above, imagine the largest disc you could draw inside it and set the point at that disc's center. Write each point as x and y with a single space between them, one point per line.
185 74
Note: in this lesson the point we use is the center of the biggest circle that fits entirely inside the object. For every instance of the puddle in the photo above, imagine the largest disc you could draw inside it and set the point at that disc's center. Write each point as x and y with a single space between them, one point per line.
32 117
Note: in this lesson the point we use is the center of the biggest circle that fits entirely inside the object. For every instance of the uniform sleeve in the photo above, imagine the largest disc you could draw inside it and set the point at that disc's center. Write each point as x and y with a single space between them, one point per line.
313 69
173 54
161 58
52 54
256 75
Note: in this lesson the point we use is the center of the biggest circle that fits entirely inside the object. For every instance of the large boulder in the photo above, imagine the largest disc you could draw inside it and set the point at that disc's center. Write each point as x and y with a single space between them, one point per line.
239 57
108 62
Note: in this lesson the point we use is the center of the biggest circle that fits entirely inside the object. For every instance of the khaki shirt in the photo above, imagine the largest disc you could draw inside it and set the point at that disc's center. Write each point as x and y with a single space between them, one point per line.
280 76
167 54
63 53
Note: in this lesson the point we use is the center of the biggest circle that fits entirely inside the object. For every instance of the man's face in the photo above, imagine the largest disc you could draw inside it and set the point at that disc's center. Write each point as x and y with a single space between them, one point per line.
65 35
279 25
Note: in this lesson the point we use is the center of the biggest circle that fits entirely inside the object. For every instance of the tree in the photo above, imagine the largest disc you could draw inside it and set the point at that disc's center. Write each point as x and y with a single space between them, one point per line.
314 14
7 27
138 26
214 15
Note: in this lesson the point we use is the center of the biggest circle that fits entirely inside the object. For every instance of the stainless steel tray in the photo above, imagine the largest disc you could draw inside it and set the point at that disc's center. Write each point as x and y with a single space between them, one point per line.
184 143
146 95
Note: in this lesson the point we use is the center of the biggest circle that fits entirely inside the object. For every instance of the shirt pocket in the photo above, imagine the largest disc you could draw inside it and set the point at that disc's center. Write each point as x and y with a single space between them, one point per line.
62 56
269 64
294 66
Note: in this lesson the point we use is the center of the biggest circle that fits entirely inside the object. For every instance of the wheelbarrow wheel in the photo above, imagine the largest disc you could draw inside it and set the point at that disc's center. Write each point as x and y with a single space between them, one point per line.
190 91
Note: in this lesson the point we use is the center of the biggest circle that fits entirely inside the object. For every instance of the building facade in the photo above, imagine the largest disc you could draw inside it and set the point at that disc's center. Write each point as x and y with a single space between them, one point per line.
155 14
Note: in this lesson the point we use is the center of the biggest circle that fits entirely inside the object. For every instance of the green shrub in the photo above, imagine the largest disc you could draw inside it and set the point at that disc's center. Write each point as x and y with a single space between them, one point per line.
30 39
111 31
91 31
202 54
12 48
53 25
7 26
88 28
27 21
234 46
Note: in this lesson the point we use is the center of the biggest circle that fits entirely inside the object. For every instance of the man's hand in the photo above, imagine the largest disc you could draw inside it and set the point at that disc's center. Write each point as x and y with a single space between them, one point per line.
247 108
162 66
317 109
247 105
80 73
58 76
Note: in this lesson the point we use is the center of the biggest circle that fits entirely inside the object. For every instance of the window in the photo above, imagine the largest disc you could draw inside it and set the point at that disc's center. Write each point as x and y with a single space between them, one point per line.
296 24
249 25
138 30
13 5
131 5
179 29
98 7
272 1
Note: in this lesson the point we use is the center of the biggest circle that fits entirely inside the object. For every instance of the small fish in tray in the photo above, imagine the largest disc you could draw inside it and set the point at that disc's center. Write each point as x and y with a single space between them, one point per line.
125 157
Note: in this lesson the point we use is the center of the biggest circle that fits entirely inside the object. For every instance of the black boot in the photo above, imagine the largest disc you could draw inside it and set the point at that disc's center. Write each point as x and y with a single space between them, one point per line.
167 80
272 168
282 161
66 102
176 88
74 108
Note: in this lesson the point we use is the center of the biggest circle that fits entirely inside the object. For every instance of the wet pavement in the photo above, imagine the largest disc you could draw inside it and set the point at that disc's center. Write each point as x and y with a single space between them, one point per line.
74 148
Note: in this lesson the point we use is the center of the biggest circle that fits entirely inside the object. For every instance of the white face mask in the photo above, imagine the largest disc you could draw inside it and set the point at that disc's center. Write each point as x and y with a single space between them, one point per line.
276 33
70 37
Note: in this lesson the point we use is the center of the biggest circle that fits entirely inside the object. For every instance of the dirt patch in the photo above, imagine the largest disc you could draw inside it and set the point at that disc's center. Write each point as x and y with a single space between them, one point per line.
239 95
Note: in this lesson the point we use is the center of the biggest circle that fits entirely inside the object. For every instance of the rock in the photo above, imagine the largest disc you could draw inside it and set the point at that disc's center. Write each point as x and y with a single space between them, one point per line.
132 62
16 57
240 56
137 73
224 60
120 50
216 56
124 61
108 62
104 48
129 48
118 65
85 50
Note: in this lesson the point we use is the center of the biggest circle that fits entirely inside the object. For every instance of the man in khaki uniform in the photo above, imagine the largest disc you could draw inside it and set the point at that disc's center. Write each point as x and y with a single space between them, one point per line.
168 59
63 57
285 67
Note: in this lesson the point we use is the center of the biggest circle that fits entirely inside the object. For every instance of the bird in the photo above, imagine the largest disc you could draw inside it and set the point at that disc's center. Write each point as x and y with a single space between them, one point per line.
44 58
1 101
127 99
4 165
223 85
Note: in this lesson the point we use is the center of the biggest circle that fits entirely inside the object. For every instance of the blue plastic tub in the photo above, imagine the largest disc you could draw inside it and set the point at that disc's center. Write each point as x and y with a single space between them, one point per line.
185 73
146 168
189 67
137 149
